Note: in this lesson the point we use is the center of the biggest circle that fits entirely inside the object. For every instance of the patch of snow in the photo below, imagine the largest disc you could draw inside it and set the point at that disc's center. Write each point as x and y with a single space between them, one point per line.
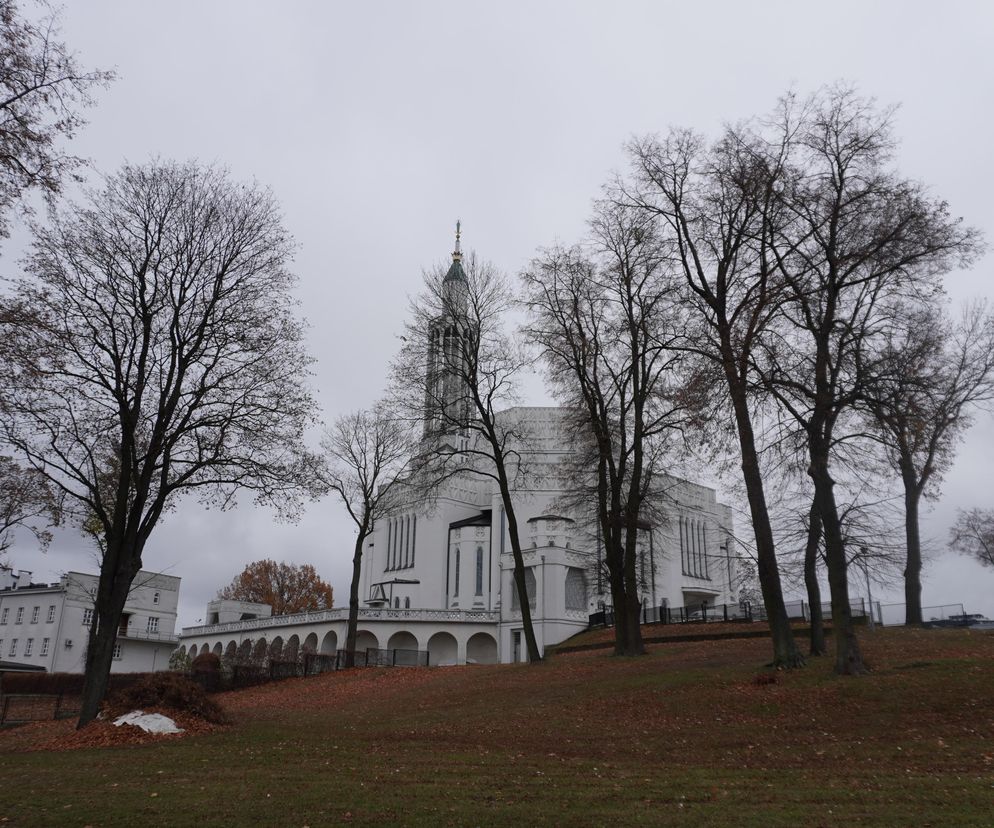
149 722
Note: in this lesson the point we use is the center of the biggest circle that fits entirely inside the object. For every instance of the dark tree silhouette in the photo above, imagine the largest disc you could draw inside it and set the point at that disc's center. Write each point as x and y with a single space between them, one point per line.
368 454
155 326
42 92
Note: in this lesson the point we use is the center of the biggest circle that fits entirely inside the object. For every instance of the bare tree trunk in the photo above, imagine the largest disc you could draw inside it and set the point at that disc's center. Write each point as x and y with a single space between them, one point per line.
632 609
848 658
352 627
108 609
534 656
785 652
913 562
818 646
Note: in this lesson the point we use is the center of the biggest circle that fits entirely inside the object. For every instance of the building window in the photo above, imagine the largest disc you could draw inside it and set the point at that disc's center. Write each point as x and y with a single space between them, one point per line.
44 646
389 539
414 537
29 646
396 602
576 589
13 647
117 651
407 603
1 646
153 625
479 570
20 615
529 589
4 614
87 617
455 590
35 612
155 598
51 614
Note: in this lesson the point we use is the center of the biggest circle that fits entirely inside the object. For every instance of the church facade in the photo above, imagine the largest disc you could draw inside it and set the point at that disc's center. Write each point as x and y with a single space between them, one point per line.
437 576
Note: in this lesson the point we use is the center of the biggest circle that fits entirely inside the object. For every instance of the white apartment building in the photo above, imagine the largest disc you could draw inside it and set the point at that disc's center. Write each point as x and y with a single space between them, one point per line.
48 625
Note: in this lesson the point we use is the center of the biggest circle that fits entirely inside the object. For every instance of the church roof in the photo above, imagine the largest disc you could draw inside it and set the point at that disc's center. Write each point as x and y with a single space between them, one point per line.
456 273
485 518
550 517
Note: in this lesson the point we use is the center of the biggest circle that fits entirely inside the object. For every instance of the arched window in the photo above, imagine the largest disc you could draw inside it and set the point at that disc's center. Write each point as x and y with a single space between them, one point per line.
576 589
529 588
396 602
479 570
407 603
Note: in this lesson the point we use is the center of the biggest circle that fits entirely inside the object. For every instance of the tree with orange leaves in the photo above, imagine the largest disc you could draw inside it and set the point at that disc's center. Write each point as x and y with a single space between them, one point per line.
285 587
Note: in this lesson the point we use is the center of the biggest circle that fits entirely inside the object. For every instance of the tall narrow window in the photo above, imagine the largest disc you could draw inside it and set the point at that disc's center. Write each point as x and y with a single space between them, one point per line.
479 570
407 603
683 551
455 590
28 646
407 541
155 598
51 614
44 646
34 614
414 538
389 539
704 551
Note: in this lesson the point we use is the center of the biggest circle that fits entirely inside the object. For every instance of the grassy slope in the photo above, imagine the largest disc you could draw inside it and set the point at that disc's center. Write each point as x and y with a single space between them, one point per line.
683 736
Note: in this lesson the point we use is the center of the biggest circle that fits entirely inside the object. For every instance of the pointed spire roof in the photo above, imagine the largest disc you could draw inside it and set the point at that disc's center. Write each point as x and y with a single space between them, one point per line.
456 273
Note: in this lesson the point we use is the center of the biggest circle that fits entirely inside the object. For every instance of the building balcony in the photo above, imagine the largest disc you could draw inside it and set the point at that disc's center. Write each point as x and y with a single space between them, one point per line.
143 635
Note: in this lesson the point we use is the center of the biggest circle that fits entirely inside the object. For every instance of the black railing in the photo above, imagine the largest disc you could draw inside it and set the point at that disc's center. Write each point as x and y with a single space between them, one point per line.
696 613
743 611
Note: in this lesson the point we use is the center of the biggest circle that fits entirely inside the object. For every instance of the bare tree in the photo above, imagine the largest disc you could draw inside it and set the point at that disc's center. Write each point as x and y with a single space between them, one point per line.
922 391
973 534
715 202
606 327
27 501
369 454
42 91
852 239
457 371
156 326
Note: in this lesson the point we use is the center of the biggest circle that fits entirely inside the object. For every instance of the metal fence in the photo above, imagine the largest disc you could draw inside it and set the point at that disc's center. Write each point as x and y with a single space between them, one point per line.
741 612
18 708
944 615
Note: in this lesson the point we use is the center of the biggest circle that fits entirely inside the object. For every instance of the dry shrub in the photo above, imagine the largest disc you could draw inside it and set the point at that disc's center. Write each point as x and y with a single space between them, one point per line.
206 663
168 690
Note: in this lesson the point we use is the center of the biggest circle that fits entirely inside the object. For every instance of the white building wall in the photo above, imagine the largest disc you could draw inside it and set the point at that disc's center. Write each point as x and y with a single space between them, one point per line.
144 647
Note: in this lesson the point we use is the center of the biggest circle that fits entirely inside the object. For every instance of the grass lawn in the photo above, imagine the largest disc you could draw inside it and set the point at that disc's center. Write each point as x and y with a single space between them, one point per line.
683 736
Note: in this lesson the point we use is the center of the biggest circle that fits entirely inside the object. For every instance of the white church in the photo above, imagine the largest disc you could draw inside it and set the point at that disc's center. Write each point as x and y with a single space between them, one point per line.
438 577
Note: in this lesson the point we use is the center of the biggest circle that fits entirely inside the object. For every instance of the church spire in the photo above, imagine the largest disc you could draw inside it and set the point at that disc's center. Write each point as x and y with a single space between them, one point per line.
456 273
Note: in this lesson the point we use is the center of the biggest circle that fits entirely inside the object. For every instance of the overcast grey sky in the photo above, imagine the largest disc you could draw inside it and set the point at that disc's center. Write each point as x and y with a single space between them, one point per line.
378 124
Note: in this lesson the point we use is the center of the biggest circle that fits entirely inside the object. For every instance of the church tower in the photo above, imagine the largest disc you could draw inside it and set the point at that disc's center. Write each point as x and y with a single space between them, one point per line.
447 403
